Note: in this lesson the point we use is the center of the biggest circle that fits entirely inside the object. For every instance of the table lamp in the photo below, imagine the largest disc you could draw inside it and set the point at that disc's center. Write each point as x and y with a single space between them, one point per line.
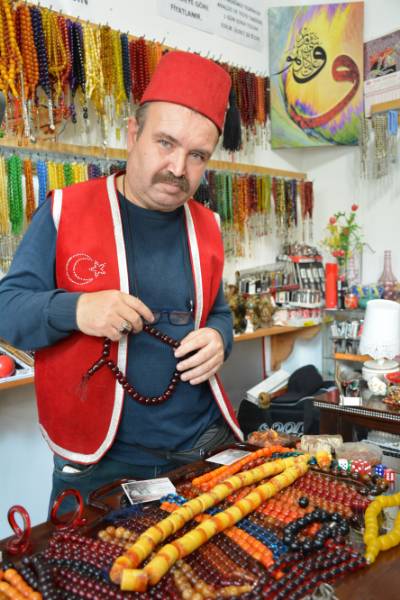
380 338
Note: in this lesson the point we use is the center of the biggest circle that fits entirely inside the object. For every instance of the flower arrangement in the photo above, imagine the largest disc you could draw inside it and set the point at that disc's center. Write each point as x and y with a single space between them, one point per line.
344 235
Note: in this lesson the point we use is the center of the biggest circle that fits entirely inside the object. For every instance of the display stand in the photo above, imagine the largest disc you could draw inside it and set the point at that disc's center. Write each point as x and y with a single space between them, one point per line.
381 580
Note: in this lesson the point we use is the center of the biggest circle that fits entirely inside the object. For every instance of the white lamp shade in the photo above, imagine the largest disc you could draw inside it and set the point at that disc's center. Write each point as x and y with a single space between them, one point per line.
380 336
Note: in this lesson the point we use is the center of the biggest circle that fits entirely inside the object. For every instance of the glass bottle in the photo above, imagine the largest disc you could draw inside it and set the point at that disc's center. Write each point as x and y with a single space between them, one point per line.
387 280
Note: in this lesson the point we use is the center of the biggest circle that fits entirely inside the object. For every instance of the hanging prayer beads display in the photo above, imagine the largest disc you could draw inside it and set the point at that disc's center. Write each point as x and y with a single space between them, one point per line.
379 145
19 197
251 206
54 69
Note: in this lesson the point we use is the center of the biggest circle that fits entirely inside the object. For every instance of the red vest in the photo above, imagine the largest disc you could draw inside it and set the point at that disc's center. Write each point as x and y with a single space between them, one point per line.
79 422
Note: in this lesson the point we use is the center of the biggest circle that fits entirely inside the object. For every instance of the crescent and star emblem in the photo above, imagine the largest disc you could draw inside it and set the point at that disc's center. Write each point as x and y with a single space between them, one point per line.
82 269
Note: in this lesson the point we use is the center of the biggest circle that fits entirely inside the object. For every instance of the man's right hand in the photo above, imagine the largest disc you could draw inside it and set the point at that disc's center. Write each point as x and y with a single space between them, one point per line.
105 314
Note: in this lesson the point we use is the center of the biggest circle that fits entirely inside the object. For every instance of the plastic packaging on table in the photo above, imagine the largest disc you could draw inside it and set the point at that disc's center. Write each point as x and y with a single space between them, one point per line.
360 451
270 437
315 443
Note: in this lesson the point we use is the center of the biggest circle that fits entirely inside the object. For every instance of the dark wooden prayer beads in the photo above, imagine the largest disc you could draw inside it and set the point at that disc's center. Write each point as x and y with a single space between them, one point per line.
104 360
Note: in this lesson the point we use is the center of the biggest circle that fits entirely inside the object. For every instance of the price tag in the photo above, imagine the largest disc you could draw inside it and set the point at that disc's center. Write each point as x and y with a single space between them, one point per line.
227 457
148 490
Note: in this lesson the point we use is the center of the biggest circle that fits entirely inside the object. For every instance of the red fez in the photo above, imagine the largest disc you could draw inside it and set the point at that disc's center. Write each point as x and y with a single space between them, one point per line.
193 81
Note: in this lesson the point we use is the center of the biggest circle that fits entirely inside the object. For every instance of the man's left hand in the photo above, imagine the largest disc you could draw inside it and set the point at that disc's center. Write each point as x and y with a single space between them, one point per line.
207 347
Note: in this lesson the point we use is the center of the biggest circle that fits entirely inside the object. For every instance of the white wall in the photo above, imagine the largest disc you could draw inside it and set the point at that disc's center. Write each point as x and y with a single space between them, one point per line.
25 473
26 460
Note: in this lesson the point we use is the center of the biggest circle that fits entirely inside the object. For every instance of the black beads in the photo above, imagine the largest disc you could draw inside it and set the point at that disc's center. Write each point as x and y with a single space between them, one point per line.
303 502
333 524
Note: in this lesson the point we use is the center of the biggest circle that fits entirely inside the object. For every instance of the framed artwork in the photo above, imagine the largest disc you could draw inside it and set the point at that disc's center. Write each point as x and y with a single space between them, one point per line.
316 74
382 55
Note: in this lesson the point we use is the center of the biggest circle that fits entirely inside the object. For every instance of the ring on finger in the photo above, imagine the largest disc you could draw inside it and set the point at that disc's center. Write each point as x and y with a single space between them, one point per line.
125 328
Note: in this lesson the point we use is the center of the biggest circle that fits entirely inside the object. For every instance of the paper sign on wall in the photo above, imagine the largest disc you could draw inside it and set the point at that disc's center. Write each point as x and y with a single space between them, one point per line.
240 21
194 13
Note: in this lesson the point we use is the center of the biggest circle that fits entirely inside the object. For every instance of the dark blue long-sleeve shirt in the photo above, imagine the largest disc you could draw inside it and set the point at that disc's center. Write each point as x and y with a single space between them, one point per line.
33 314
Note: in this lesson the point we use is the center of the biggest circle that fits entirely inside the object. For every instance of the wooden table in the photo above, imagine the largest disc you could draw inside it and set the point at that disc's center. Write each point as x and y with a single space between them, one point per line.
372 414
381 581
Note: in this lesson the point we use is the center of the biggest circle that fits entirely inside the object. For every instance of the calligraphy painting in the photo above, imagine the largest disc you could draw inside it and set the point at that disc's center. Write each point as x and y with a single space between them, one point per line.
316 73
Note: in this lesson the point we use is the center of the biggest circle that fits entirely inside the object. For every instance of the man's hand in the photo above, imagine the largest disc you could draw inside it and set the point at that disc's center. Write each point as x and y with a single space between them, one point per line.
208 348
105 314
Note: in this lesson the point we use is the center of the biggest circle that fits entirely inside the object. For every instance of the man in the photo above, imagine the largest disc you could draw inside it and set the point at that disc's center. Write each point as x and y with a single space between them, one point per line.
104 257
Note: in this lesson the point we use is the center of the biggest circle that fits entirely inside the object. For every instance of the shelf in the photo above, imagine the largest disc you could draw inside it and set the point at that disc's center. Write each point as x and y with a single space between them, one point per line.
108 153
72 149
385 106
270 331
352 357
221 165
290 287
17 383
282 340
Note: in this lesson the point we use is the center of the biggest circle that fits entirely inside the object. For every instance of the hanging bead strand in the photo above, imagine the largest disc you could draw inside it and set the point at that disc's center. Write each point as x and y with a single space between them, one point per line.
30 78
44 75
10 56
56 53
41 172
4 208
126 65
29 192
15 201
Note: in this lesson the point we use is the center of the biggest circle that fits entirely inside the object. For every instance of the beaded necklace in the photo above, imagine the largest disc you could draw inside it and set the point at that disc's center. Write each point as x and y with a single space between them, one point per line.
55 47
126 65
10 56
30 196
51 175
260 101
68 177
44 75
78 56
60 175
41 172
155 53
16 207
93 67
40 45
306 193
119 89
107 67
139 67
4 209
29 76
106 56
28 50
62 24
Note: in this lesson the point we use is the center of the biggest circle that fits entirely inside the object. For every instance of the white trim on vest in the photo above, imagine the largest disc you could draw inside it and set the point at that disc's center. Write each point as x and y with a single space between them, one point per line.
123 344
57 206
218 219
194 250
220 400
213 382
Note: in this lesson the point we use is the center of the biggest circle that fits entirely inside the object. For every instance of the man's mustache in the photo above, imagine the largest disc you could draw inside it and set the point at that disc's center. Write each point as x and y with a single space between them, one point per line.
168 177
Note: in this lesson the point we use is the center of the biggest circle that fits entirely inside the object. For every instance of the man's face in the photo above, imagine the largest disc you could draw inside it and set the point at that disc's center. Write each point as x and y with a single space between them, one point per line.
167 159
